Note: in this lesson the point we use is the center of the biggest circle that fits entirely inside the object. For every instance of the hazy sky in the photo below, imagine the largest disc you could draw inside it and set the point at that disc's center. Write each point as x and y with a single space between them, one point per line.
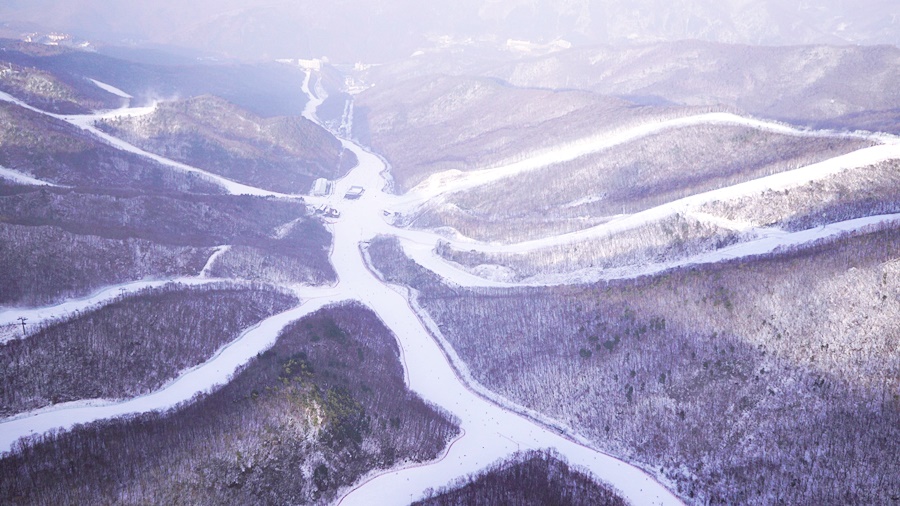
382 29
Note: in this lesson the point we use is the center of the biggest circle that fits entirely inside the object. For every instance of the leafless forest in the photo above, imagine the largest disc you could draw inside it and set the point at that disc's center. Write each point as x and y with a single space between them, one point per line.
284 154
753 381
726 375
534 478
624 179
129 347
298 424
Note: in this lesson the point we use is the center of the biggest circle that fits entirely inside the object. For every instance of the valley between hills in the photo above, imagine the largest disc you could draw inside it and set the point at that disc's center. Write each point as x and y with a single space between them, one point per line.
684 303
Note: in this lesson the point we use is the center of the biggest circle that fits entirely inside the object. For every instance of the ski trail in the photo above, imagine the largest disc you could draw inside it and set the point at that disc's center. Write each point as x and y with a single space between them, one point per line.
220 250
10 315
110 89
768 243
86 122
454 180
491 430
309 110
21 178
217 370
782 181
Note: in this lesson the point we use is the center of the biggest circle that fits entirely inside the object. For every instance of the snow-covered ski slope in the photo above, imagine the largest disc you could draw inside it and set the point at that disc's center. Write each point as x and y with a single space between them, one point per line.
110 89
22 178
86 122
452 181
492 427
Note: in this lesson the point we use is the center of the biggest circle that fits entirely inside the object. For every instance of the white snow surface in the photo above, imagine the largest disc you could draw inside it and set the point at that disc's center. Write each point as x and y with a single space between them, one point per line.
492 427
315 100
220 250
19 177
111 89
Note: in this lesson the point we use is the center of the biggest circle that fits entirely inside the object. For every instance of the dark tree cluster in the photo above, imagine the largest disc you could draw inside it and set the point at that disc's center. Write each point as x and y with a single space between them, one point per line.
131 346
533 478
168 218
297 425
300 256
44 264
393 266
64 242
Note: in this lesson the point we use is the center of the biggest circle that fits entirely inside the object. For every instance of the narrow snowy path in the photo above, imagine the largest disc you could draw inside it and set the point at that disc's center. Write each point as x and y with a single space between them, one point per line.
21 178
769 241
110 89
782 181
87 121
207 268
452 181
217 370
36 315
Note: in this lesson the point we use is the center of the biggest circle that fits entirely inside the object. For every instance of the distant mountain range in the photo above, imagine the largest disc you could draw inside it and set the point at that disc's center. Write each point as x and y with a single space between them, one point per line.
383 30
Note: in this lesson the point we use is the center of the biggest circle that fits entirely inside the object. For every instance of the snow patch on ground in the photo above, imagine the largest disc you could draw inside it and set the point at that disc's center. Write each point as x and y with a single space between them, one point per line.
495 272
583 201
220 250
111 89
22 178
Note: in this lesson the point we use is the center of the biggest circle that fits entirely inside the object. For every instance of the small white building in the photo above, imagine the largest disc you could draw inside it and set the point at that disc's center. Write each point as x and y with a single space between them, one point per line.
354 192
321 187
